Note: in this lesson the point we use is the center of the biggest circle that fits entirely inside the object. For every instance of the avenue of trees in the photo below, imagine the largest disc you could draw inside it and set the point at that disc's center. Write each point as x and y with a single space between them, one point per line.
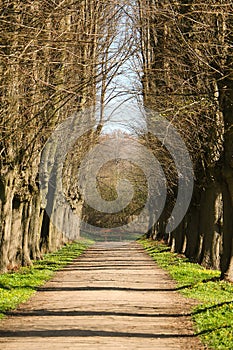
58 57
187 57
54 56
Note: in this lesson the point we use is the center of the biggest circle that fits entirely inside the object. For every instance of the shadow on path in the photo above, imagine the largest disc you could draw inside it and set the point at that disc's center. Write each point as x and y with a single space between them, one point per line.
88 333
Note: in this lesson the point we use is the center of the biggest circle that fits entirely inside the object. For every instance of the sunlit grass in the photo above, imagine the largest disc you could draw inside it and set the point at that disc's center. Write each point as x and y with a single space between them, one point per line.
213 317
18 287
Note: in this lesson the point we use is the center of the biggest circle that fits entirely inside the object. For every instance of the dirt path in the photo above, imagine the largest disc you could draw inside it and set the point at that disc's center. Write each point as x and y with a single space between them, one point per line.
112 297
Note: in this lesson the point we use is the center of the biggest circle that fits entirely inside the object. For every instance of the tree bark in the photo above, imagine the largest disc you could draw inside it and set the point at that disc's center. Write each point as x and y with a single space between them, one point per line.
226 103
210 207
7 189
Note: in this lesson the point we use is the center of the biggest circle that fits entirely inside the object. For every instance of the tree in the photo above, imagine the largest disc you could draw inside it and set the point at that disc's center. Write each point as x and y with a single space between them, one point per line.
52 58
186 56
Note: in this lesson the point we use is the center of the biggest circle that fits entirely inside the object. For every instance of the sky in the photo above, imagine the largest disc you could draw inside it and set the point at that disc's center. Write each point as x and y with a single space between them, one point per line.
123 112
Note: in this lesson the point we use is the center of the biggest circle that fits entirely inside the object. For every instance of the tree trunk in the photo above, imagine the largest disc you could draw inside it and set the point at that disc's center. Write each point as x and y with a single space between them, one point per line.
44 239
27 211
226 103
210 208
6 196
35 228
15 251
178 237
227 254
192 233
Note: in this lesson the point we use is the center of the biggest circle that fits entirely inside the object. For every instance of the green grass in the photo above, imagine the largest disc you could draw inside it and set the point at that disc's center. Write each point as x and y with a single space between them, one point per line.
18 287
213 317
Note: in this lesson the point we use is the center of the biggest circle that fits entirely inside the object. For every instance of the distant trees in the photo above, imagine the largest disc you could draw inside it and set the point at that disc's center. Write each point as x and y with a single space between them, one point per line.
108 178
187 76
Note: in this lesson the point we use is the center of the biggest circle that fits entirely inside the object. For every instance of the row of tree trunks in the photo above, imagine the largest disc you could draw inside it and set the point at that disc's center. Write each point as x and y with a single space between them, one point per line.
187 62
52 57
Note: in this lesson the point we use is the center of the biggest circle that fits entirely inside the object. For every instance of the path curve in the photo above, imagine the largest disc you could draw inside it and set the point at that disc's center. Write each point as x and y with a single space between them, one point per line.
112 297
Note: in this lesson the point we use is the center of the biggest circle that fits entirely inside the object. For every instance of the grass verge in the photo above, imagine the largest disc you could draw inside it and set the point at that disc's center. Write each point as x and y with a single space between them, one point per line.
213 317
18 287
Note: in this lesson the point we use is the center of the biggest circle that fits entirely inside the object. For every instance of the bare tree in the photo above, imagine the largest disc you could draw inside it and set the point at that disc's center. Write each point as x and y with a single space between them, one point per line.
53 56
186 60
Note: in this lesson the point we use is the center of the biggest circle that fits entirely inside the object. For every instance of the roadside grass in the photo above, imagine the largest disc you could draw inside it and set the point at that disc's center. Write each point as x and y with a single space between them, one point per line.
213 317
17 287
